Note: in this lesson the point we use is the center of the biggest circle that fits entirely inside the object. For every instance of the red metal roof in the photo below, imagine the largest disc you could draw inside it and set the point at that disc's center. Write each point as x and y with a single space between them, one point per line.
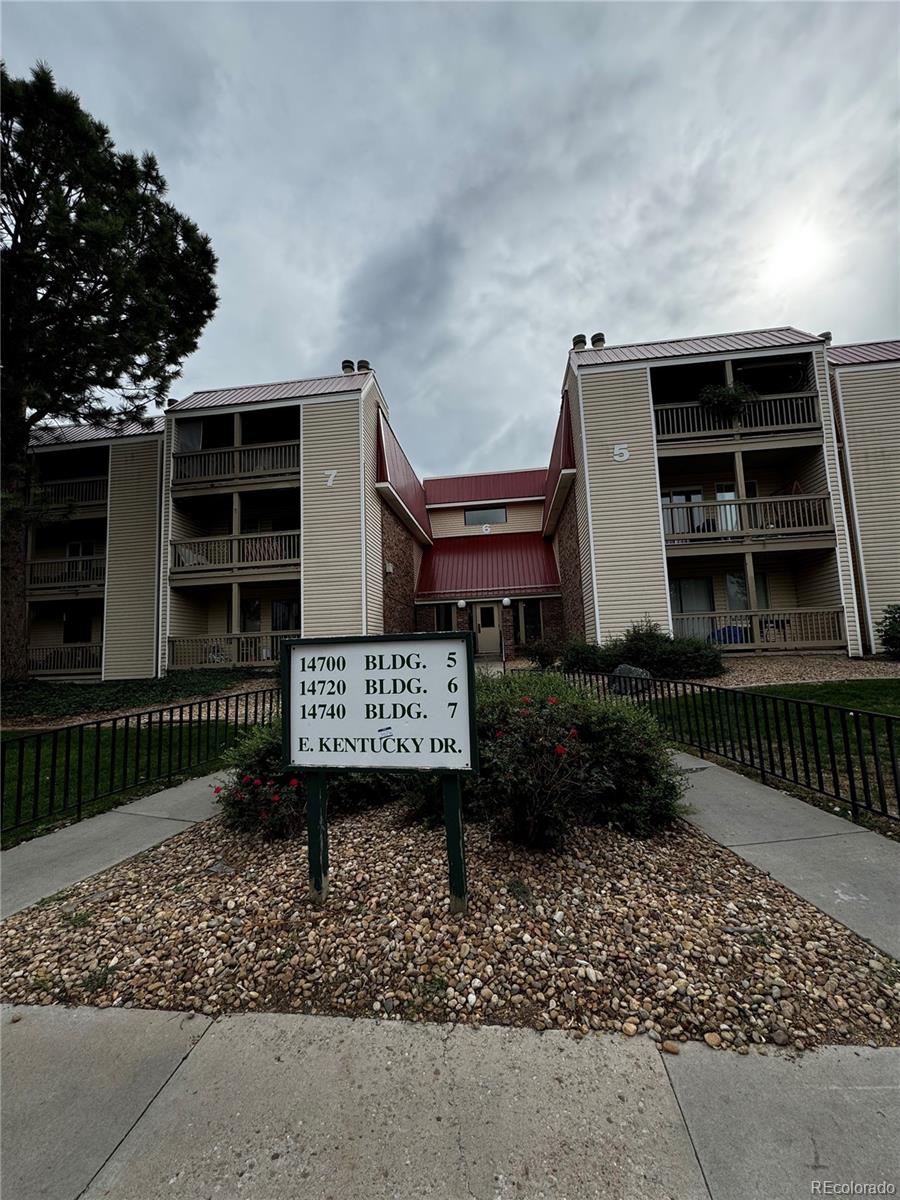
864 352
490 564
49 435
261 393
493 485
394 468
562 456
719 343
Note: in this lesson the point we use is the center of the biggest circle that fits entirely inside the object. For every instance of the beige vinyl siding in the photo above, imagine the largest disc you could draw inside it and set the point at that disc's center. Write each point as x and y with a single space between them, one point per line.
131 562
582 509
812 473
624 497
841 532
374 552
187 614
522 517
331 534
818 584
165 535
870 401
47 630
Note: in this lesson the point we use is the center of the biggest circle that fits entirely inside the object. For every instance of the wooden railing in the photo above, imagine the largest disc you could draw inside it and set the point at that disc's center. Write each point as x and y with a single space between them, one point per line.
270 458
236 551
228 649
766 414
87 571
65 660
71 491
768 629
767 517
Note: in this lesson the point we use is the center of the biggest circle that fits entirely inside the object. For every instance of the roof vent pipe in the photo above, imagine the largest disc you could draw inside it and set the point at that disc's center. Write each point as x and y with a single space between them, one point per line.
363 365
579 342
826 336
347 366
598 340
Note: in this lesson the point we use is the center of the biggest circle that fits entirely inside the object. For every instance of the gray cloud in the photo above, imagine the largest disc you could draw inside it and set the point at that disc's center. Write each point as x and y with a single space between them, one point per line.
454 190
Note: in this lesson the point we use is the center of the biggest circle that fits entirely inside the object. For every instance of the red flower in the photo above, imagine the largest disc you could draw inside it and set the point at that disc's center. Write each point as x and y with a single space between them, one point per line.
216 791
499 733
246 779
276 799
257 783
264 814
560 750
526 699
269 782
573 732
552 700
295 783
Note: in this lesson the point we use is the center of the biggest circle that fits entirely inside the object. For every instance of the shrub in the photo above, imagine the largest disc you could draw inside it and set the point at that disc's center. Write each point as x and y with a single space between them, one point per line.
645 645
543 655
888 629
728 399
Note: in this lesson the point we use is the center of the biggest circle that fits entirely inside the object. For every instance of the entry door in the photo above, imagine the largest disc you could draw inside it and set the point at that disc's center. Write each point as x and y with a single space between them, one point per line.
487 628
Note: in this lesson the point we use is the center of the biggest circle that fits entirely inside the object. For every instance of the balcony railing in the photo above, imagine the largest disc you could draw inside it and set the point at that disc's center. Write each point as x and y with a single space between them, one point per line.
271 458
766 414
236 551
73 659
735 520
71 491
228 650
766 629
87 571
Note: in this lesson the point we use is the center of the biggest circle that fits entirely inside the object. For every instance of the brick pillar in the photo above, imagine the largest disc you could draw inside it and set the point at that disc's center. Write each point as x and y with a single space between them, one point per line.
507 629
464 619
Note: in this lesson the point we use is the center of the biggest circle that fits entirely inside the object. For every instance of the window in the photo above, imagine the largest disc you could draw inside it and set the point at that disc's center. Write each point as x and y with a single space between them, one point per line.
250 616
485 516
692 595
529 622
443 618
736 591
190 435
727 515
285 615
679 515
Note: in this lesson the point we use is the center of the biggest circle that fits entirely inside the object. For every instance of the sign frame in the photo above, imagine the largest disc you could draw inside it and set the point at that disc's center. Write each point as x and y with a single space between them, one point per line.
466 636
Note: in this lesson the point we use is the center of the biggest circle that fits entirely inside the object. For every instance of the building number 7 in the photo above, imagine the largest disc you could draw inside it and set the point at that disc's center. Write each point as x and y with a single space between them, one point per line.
330 478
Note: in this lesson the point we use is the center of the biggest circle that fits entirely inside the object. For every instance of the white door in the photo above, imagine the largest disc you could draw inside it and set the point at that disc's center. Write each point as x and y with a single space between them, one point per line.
487 628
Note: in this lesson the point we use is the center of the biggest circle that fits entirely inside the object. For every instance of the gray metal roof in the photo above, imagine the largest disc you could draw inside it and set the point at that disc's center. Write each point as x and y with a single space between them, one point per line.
262 393
64 434
720 343
864 352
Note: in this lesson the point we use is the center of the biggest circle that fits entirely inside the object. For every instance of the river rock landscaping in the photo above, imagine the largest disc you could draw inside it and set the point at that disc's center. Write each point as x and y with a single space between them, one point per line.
672 937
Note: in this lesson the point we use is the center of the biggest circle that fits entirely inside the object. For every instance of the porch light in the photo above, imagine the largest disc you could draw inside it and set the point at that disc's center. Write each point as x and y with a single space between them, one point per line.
460 604
506 602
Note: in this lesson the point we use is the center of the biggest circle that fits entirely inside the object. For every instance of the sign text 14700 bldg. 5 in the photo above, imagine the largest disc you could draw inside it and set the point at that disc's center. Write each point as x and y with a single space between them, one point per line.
380 703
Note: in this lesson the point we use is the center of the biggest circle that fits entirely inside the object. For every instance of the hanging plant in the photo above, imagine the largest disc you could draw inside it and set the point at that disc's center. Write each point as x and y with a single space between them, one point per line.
725 399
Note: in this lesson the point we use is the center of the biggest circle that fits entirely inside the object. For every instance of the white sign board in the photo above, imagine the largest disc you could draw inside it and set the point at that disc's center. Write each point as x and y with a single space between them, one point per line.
379 703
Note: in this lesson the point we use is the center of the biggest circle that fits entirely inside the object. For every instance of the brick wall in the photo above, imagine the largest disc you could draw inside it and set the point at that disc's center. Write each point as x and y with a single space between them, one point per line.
424 618
507 629
572 604
400 584
553 616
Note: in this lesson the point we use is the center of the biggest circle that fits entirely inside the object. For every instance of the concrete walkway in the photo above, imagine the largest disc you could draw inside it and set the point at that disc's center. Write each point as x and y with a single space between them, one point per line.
44 866
849 872
131 1105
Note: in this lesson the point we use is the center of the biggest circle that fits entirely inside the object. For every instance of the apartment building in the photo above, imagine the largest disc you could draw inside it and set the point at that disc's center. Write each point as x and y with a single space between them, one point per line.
247 515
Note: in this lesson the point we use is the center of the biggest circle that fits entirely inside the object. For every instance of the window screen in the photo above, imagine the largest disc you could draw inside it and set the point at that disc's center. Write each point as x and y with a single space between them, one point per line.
486 516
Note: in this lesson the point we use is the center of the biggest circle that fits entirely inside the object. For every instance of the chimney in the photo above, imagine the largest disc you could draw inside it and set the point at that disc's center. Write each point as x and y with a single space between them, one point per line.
598 340
347 366
579 342
826 337
363 365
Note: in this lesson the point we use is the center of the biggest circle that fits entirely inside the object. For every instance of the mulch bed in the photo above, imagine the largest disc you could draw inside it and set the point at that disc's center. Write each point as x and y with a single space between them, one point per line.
765 669
673 937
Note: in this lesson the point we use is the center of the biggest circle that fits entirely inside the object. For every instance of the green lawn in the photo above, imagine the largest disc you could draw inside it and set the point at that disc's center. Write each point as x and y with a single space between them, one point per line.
87 769
49 699
869 695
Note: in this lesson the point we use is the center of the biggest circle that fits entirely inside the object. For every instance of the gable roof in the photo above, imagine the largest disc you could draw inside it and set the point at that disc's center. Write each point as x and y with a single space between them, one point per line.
398 481
494 564
65 434
261 393
864 352
718 343
492 485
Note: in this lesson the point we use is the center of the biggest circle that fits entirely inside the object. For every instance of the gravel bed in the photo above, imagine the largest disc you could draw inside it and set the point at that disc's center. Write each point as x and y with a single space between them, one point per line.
674 937
767 669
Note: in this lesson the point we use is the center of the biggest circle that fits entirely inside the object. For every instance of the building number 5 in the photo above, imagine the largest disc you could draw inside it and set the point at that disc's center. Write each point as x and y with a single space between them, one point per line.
621 453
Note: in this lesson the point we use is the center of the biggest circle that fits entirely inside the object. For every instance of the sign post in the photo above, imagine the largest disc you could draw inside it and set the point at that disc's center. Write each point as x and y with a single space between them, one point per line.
399 702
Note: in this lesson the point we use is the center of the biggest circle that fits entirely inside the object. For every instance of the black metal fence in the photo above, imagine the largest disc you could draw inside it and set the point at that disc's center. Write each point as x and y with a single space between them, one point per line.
844 754
61 773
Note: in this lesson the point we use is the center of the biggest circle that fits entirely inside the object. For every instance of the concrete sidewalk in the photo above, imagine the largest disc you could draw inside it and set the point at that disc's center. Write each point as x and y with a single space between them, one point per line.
47 864
849 872
132 1105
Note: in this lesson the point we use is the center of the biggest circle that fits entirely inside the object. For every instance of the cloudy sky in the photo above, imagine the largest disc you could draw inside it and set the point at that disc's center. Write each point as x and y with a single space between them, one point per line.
453 190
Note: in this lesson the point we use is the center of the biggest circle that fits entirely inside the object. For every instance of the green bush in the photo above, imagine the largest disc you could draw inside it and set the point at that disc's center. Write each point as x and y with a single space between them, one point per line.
543 655
551 757
645 645
888 629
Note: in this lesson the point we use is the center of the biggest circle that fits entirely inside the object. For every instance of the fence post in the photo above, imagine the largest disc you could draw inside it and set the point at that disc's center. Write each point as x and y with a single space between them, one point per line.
456 851
317 833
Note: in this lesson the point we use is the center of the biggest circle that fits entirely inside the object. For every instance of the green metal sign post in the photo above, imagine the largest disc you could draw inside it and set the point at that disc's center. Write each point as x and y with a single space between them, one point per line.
402 702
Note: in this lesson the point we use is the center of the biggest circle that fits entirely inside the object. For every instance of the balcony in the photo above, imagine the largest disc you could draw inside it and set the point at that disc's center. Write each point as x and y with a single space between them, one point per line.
760 519
228 650
766 629
82 658
236 462
236 552
59 493
786 413
85 573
